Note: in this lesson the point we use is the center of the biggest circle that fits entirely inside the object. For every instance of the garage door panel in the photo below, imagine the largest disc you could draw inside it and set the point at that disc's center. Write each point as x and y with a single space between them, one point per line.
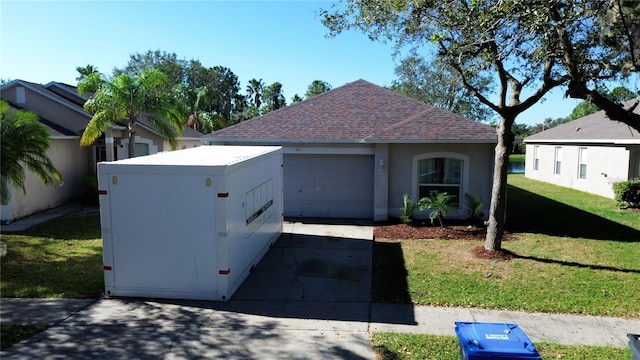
328 186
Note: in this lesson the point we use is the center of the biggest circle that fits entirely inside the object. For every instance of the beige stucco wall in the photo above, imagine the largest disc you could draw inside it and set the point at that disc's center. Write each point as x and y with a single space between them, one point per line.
156 143
605 165
49 109
71 161
402 170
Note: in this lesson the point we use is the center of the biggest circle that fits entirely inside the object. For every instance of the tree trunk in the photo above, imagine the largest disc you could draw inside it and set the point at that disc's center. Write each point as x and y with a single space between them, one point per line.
498 207
132 142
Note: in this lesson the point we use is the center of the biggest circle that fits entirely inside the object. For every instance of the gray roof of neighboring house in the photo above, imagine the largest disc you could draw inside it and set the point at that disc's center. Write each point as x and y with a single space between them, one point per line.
358 112
594 128
69 98
67 91
54 129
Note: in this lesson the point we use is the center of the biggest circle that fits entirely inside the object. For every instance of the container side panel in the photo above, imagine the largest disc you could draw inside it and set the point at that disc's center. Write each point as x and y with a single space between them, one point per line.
254 213
163 233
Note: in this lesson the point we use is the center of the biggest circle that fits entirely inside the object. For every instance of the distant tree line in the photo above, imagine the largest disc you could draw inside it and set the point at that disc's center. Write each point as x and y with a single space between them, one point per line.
210 98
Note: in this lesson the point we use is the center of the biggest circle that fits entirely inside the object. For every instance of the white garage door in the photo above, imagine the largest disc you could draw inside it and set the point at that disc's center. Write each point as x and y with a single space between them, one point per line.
328 186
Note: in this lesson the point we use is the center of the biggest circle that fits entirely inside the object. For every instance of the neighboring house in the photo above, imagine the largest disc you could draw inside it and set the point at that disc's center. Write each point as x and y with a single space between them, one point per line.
587 154
353 152
60 108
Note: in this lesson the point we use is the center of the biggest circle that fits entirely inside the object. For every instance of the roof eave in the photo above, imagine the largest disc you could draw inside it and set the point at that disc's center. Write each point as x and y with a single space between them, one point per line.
435 141
65 137
285 141
584 141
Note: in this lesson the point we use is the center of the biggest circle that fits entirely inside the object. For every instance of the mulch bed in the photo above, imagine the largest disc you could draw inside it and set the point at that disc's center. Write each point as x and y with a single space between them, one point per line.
454 231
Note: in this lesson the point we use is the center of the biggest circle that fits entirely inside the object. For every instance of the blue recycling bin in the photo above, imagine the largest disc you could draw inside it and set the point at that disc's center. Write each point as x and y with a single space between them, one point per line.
634 344
482 341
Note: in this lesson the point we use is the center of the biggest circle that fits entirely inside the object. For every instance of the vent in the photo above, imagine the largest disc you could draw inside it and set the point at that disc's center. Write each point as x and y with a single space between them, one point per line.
21 96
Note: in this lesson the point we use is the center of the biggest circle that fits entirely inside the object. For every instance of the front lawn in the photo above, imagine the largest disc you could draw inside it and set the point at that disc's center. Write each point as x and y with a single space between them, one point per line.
574 253
394 346
61 258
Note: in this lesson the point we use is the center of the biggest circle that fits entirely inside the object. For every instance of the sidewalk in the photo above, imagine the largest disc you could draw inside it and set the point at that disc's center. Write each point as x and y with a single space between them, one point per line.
46 215
119 328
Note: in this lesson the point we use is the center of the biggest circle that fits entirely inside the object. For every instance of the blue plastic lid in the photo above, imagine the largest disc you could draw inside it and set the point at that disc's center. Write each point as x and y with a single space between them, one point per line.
499 339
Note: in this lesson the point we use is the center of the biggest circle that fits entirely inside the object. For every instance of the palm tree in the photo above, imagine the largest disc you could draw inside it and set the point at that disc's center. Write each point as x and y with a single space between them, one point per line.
254 92
125 100
439 203
24 143
275 98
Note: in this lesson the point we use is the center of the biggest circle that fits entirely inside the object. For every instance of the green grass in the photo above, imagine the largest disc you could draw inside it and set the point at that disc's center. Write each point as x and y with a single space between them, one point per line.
58 259
12 334
582 264
517 158
394 346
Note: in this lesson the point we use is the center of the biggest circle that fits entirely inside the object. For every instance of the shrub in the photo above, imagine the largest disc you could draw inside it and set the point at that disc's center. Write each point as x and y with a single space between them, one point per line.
440 203
627 194
409 207
91 190
474 207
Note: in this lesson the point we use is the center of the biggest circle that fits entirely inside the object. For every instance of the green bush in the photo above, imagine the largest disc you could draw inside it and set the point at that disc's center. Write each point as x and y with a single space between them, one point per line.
474 209
409 207
627 194
439 203
91 190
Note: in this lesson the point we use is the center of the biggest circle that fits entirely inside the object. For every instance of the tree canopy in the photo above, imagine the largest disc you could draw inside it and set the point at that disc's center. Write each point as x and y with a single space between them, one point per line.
126 100
216 90
317 87
526 47
437 84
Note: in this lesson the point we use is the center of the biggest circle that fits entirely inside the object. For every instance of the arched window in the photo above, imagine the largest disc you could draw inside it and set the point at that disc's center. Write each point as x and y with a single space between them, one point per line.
440 172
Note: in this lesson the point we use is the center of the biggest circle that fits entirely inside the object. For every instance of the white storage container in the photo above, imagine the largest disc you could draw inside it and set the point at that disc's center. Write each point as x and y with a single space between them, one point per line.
188 224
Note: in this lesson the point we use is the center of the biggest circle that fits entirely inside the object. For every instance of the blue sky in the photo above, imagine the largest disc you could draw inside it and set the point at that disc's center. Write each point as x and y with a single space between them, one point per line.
275 41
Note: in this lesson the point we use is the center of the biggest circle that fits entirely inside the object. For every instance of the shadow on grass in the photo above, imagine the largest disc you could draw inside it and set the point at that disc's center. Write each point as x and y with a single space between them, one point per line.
68 227
573 264
389 274
531 213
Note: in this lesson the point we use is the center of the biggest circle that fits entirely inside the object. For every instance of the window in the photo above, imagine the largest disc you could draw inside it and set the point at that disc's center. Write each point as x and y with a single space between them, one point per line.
536 157
558 160
140 149
440 174
582 163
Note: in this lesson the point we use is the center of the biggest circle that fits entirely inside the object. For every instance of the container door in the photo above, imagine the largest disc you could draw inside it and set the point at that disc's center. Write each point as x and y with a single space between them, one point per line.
163 232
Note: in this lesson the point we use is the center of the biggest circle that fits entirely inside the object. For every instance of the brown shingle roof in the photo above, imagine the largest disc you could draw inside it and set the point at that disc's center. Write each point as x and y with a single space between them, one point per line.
358 112
596 127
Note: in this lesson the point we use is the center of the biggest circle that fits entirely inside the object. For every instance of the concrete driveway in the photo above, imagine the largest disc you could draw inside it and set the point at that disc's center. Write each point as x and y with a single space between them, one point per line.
307 299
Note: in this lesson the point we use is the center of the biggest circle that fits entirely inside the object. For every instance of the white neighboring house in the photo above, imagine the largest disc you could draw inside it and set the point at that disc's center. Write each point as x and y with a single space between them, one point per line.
60 108
587 154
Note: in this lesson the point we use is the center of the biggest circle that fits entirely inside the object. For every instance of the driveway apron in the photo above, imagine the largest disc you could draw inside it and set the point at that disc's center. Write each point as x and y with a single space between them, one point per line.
307 299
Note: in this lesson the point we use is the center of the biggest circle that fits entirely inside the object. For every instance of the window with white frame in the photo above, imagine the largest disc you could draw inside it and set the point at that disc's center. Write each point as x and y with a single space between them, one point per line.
536 157
582 163
440 174
557 158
